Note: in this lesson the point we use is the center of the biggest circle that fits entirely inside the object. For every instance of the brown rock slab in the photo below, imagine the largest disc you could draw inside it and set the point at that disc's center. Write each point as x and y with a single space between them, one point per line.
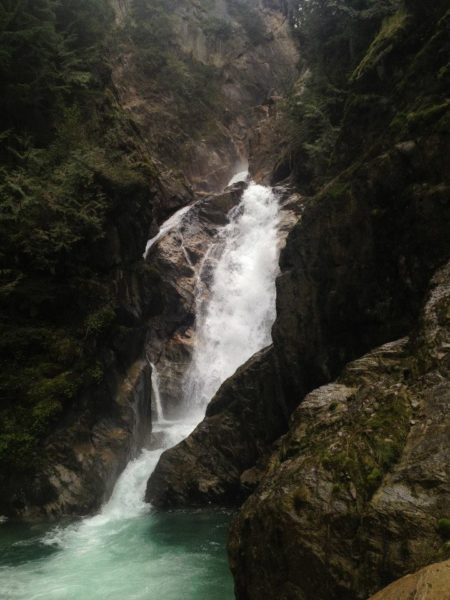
430 583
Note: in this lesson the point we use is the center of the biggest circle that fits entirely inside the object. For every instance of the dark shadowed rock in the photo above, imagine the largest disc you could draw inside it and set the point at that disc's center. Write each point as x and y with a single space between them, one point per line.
213 463
353 497
89 450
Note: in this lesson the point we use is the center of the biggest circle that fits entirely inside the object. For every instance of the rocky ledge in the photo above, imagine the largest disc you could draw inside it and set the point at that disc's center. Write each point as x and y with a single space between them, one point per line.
216 463
357 493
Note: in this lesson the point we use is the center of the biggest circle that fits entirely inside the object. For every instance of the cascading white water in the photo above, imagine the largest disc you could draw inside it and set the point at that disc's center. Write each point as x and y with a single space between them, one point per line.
167 226
241 176
235 319
156 394
114 554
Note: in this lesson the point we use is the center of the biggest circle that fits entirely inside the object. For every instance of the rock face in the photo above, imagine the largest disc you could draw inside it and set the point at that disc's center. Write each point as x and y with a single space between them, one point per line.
354 495
87 453
356 267
216 463
431 583
178 258
246 48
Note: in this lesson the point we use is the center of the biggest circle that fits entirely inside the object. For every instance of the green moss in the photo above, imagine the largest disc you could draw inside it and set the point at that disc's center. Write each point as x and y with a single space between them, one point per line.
427 116
95 373
444 528
99 321
372 445
63 349
391 29
44 414
374 478
337 190
61 387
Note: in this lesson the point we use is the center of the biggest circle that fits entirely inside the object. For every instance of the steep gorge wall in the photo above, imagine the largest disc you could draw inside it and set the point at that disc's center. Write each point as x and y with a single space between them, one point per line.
353 497
195 91
78 330
355 272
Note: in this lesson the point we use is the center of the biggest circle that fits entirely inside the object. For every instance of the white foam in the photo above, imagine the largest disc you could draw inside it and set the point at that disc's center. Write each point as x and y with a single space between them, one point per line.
241 176
236 319
167 226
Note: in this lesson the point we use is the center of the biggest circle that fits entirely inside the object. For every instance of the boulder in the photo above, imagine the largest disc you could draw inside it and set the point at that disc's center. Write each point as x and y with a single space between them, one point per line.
216 463
357 491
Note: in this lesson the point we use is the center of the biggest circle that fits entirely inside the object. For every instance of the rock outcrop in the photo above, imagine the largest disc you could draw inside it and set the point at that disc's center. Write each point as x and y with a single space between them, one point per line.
355 494
179 259
89 450
430 583
228 56
217 463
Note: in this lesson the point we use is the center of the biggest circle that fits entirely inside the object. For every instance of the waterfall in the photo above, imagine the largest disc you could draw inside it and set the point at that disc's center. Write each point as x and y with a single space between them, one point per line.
115 554
235 310
156 395
167 226
234 320
241 176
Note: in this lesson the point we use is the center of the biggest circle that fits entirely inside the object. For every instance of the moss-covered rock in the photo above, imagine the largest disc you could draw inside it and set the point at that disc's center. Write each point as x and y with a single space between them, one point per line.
356 495
79 195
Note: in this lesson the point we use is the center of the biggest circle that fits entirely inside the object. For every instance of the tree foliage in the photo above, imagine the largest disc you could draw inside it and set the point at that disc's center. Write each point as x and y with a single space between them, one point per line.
333 36
49 56
64 181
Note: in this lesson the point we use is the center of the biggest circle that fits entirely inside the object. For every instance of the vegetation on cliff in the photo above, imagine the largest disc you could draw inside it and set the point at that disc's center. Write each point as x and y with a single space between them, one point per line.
366 69
356 493
184 89
74 199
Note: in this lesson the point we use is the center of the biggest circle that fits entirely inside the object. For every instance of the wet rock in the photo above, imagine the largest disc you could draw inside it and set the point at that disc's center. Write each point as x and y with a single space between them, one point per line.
353 496
245 417
178 258
89 451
